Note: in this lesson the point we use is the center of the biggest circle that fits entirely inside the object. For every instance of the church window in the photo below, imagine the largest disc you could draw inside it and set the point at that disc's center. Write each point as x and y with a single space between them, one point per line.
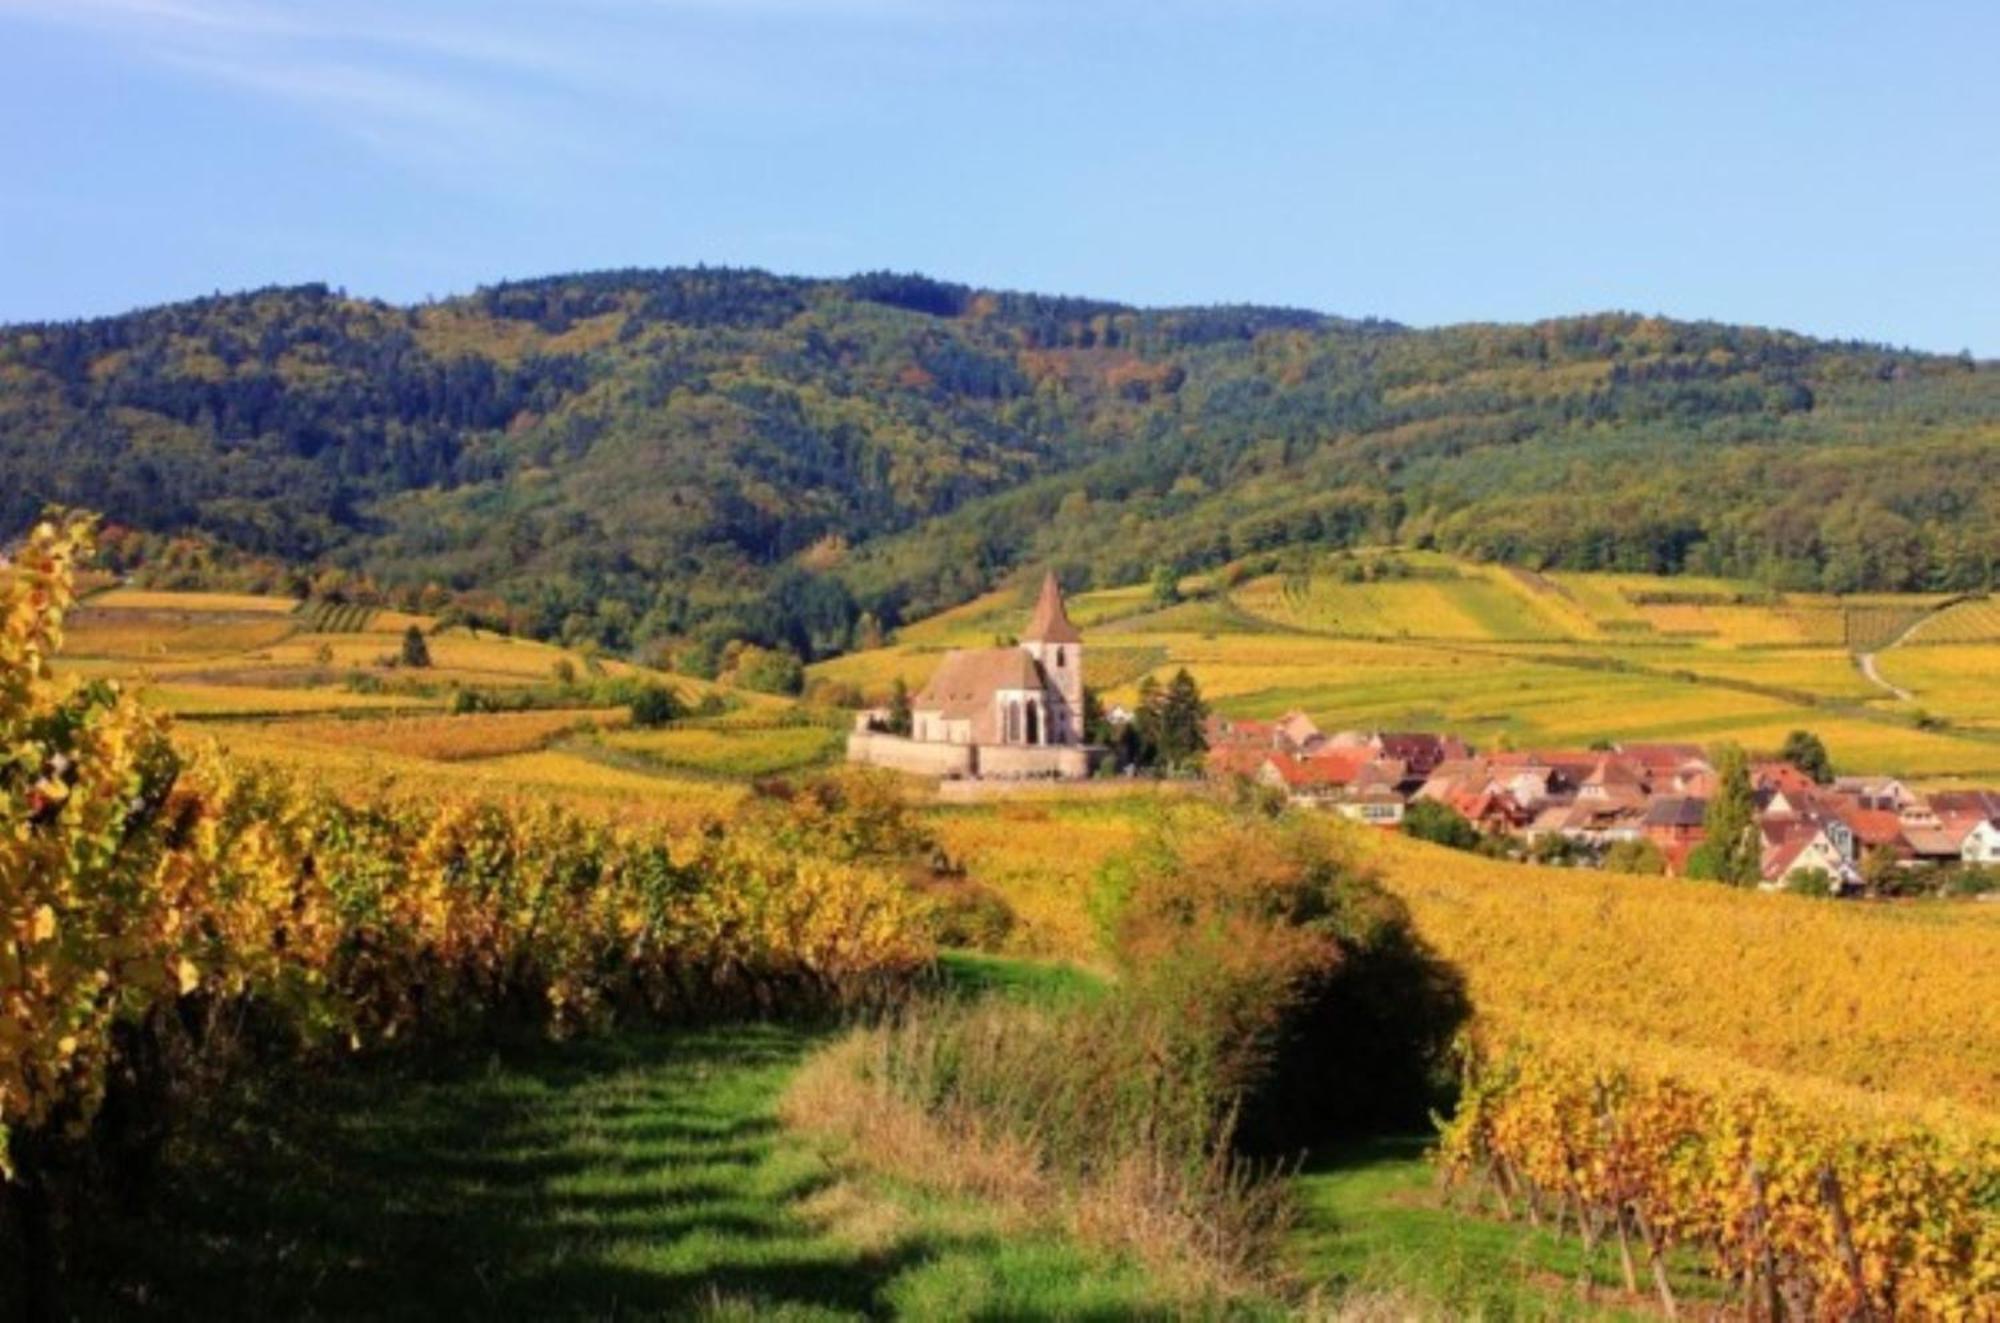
1060 663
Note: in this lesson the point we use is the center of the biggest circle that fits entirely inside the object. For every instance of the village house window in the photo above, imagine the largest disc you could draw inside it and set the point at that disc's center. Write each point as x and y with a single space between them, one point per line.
1060 663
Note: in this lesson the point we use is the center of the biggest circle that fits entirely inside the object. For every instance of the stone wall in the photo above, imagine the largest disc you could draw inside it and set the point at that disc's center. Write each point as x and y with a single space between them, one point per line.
899 754
1006 761
1016 761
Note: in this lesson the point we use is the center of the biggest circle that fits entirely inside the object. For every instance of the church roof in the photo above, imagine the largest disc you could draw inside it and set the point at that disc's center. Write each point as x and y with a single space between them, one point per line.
1050 623
966 680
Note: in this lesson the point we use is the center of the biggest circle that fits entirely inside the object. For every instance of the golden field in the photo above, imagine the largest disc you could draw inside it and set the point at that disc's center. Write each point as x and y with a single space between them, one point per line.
1875 1013
1879 1010
738 750
1870 1000
1505 657
252 675
1892 1003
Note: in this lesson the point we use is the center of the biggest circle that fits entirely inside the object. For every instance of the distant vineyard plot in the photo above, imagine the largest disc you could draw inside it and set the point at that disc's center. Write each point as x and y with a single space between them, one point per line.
1976 620
1394 639
337 617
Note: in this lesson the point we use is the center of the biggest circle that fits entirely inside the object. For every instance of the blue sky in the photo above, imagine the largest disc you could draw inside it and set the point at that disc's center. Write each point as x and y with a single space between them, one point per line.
1830 167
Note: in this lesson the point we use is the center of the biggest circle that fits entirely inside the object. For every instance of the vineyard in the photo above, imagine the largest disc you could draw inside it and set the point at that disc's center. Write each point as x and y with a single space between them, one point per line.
1533 659
336 617
1803 1215
732 751
1799 1098
151 905
457 738
1957 678
1976 620
1434 602
1779 1083
1807 1096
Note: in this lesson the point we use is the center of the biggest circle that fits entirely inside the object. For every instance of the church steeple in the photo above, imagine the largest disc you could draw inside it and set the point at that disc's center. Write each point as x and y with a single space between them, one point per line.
1057 647
1050 623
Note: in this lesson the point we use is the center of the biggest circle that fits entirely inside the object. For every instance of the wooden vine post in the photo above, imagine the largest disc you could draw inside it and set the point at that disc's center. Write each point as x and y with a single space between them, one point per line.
1843 1239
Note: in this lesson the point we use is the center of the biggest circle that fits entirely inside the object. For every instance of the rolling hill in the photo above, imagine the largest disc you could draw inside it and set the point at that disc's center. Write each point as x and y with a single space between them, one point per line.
639 458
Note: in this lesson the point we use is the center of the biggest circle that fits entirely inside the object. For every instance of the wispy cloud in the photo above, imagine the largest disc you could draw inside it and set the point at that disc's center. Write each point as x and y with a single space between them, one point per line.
422 87
466 82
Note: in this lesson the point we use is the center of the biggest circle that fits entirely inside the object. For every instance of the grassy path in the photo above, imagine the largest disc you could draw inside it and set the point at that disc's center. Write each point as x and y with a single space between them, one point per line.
641 1175
1373 1221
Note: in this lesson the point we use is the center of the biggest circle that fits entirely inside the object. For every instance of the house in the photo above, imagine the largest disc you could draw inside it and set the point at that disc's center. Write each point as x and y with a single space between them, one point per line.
1376 806
1869 828
1239 732
1934 845
1781 779
1676 824
1971 805
1593 824
1799 847
1659 764
997 712
1227 760
1306 782
1419 752
1981 845
1876 792
1297 733
1343 764
1493 811
1614 782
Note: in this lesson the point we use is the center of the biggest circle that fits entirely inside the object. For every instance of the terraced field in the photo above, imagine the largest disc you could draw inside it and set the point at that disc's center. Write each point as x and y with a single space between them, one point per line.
322 690
1973 621
1961 680
732 750
1468 605
1505 656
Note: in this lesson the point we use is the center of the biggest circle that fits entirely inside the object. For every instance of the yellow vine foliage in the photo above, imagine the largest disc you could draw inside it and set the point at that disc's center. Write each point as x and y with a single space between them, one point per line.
1802 1092
137 885
1807 1214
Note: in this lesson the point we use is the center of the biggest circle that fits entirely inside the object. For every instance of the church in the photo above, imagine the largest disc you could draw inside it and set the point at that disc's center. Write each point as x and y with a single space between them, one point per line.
996 712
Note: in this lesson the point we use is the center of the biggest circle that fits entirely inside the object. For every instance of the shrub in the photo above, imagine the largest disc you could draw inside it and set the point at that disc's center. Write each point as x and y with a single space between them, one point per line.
967 913
1440 824
656 705
1269 995
1326 1011
1641 857
415 653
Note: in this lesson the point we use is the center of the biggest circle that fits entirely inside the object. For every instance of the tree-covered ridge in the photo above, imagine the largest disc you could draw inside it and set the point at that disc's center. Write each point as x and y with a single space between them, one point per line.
685 454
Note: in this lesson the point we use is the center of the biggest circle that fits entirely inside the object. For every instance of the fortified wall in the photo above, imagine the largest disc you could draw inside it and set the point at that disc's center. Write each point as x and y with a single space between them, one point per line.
1004 761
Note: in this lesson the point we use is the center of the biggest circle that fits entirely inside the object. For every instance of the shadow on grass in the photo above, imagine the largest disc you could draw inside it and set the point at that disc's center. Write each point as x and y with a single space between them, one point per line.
634 1175
1374 1218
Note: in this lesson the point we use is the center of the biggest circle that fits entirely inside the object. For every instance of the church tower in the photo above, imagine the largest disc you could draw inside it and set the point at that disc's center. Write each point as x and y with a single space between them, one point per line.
1054 642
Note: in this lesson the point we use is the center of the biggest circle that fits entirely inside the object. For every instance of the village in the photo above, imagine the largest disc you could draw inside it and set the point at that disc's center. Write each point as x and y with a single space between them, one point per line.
1020 712
1580 805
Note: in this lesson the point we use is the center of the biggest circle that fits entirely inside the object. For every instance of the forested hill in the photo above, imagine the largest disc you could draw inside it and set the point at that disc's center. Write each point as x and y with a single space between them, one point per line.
648 455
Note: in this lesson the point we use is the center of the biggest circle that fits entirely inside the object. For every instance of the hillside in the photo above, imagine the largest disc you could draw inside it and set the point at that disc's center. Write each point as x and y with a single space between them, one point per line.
1779 994
1504 658
644 457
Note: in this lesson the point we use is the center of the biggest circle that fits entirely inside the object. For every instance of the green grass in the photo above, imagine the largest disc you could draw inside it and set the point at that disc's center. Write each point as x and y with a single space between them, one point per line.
1051 982
636 1175
1373 1220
